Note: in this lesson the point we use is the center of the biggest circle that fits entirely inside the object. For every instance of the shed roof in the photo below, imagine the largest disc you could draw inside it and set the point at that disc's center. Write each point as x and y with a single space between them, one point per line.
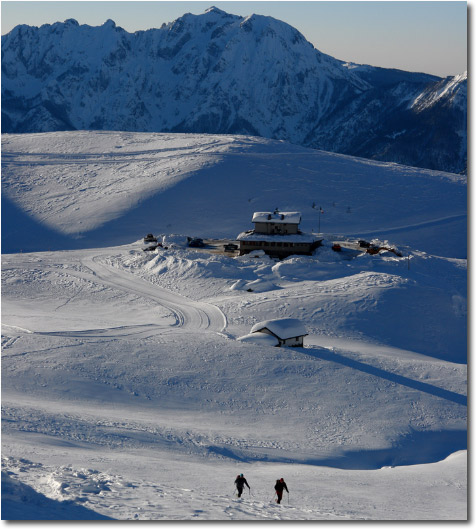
280 217
283 328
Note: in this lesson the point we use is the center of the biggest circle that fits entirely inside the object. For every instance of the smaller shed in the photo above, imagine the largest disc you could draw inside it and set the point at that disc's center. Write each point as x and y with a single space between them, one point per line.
288 331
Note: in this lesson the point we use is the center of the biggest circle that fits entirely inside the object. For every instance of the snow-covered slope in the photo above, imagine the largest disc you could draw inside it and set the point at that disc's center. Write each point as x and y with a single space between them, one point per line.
126 393
451 91
84 189
221 73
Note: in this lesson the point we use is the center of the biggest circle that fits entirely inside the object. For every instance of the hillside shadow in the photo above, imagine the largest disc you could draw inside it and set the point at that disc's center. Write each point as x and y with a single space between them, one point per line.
414 448
23 233
445 394
159 212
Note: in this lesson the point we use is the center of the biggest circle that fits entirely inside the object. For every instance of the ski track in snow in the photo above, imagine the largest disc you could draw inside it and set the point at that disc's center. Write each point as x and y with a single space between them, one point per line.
192 316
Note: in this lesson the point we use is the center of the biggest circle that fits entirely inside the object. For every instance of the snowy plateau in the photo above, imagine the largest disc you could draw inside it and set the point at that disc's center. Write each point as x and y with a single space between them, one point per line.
126 393
226 74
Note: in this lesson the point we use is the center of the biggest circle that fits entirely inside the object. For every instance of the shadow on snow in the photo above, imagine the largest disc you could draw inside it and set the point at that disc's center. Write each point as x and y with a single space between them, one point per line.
451 396
22 502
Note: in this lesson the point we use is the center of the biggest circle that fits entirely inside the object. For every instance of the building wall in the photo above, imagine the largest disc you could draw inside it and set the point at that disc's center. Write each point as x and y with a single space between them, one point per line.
272 227
297 341
278 249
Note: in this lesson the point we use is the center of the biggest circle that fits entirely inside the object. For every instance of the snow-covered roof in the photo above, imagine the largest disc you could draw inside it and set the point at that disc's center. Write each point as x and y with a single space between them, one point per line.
280 217
260 338
296 237
284 328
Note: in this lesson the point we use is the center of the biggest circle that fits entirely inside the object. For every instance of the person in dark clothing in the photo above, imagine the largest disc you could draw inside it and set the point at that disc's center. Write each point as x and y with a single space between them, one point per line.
240 482
279 487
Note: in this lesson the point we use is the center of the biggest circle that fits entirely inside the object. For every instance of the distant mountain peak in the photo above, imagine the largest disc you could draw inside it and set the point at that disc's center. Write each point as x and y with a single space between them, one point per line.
227 74
71 22
214 9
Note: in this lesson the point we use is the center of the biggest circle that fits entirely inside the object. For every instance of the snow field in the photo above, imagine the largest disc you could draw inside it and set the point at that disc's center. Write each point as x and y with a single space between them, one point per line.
126 393
201 492
158 384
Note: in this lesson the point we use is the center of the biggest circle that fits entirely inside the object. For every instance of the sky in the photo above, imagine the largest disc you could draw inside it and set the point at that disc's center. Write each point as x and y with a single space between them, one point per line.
417 36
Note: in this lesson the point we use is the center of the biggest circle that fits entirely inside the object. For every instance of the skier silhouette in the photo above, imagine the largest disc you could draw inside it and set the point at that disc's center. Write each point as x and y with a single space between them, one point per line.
279 487
240 482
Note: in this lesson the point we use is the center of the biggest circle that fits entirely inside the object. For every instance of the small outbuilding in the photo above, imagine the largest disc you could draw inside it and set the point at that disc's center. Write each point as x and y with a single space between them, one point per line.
288 332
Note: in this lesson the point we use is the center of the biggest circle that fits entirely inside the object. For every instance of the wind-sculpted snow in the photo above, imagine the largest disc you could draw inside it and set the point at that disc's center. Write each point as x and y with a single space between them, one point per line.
34 505
220 73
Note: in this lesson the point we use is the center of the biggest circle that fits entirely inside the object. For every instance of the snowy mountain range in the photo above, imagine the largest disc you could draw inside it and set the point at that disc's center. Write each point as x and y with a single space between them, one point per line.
221 73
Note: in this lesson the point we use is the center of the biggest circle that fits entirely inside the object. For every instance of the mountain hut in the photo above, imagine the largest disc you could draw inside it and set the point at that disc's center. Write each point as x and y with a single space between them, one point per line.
288 332
278 235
